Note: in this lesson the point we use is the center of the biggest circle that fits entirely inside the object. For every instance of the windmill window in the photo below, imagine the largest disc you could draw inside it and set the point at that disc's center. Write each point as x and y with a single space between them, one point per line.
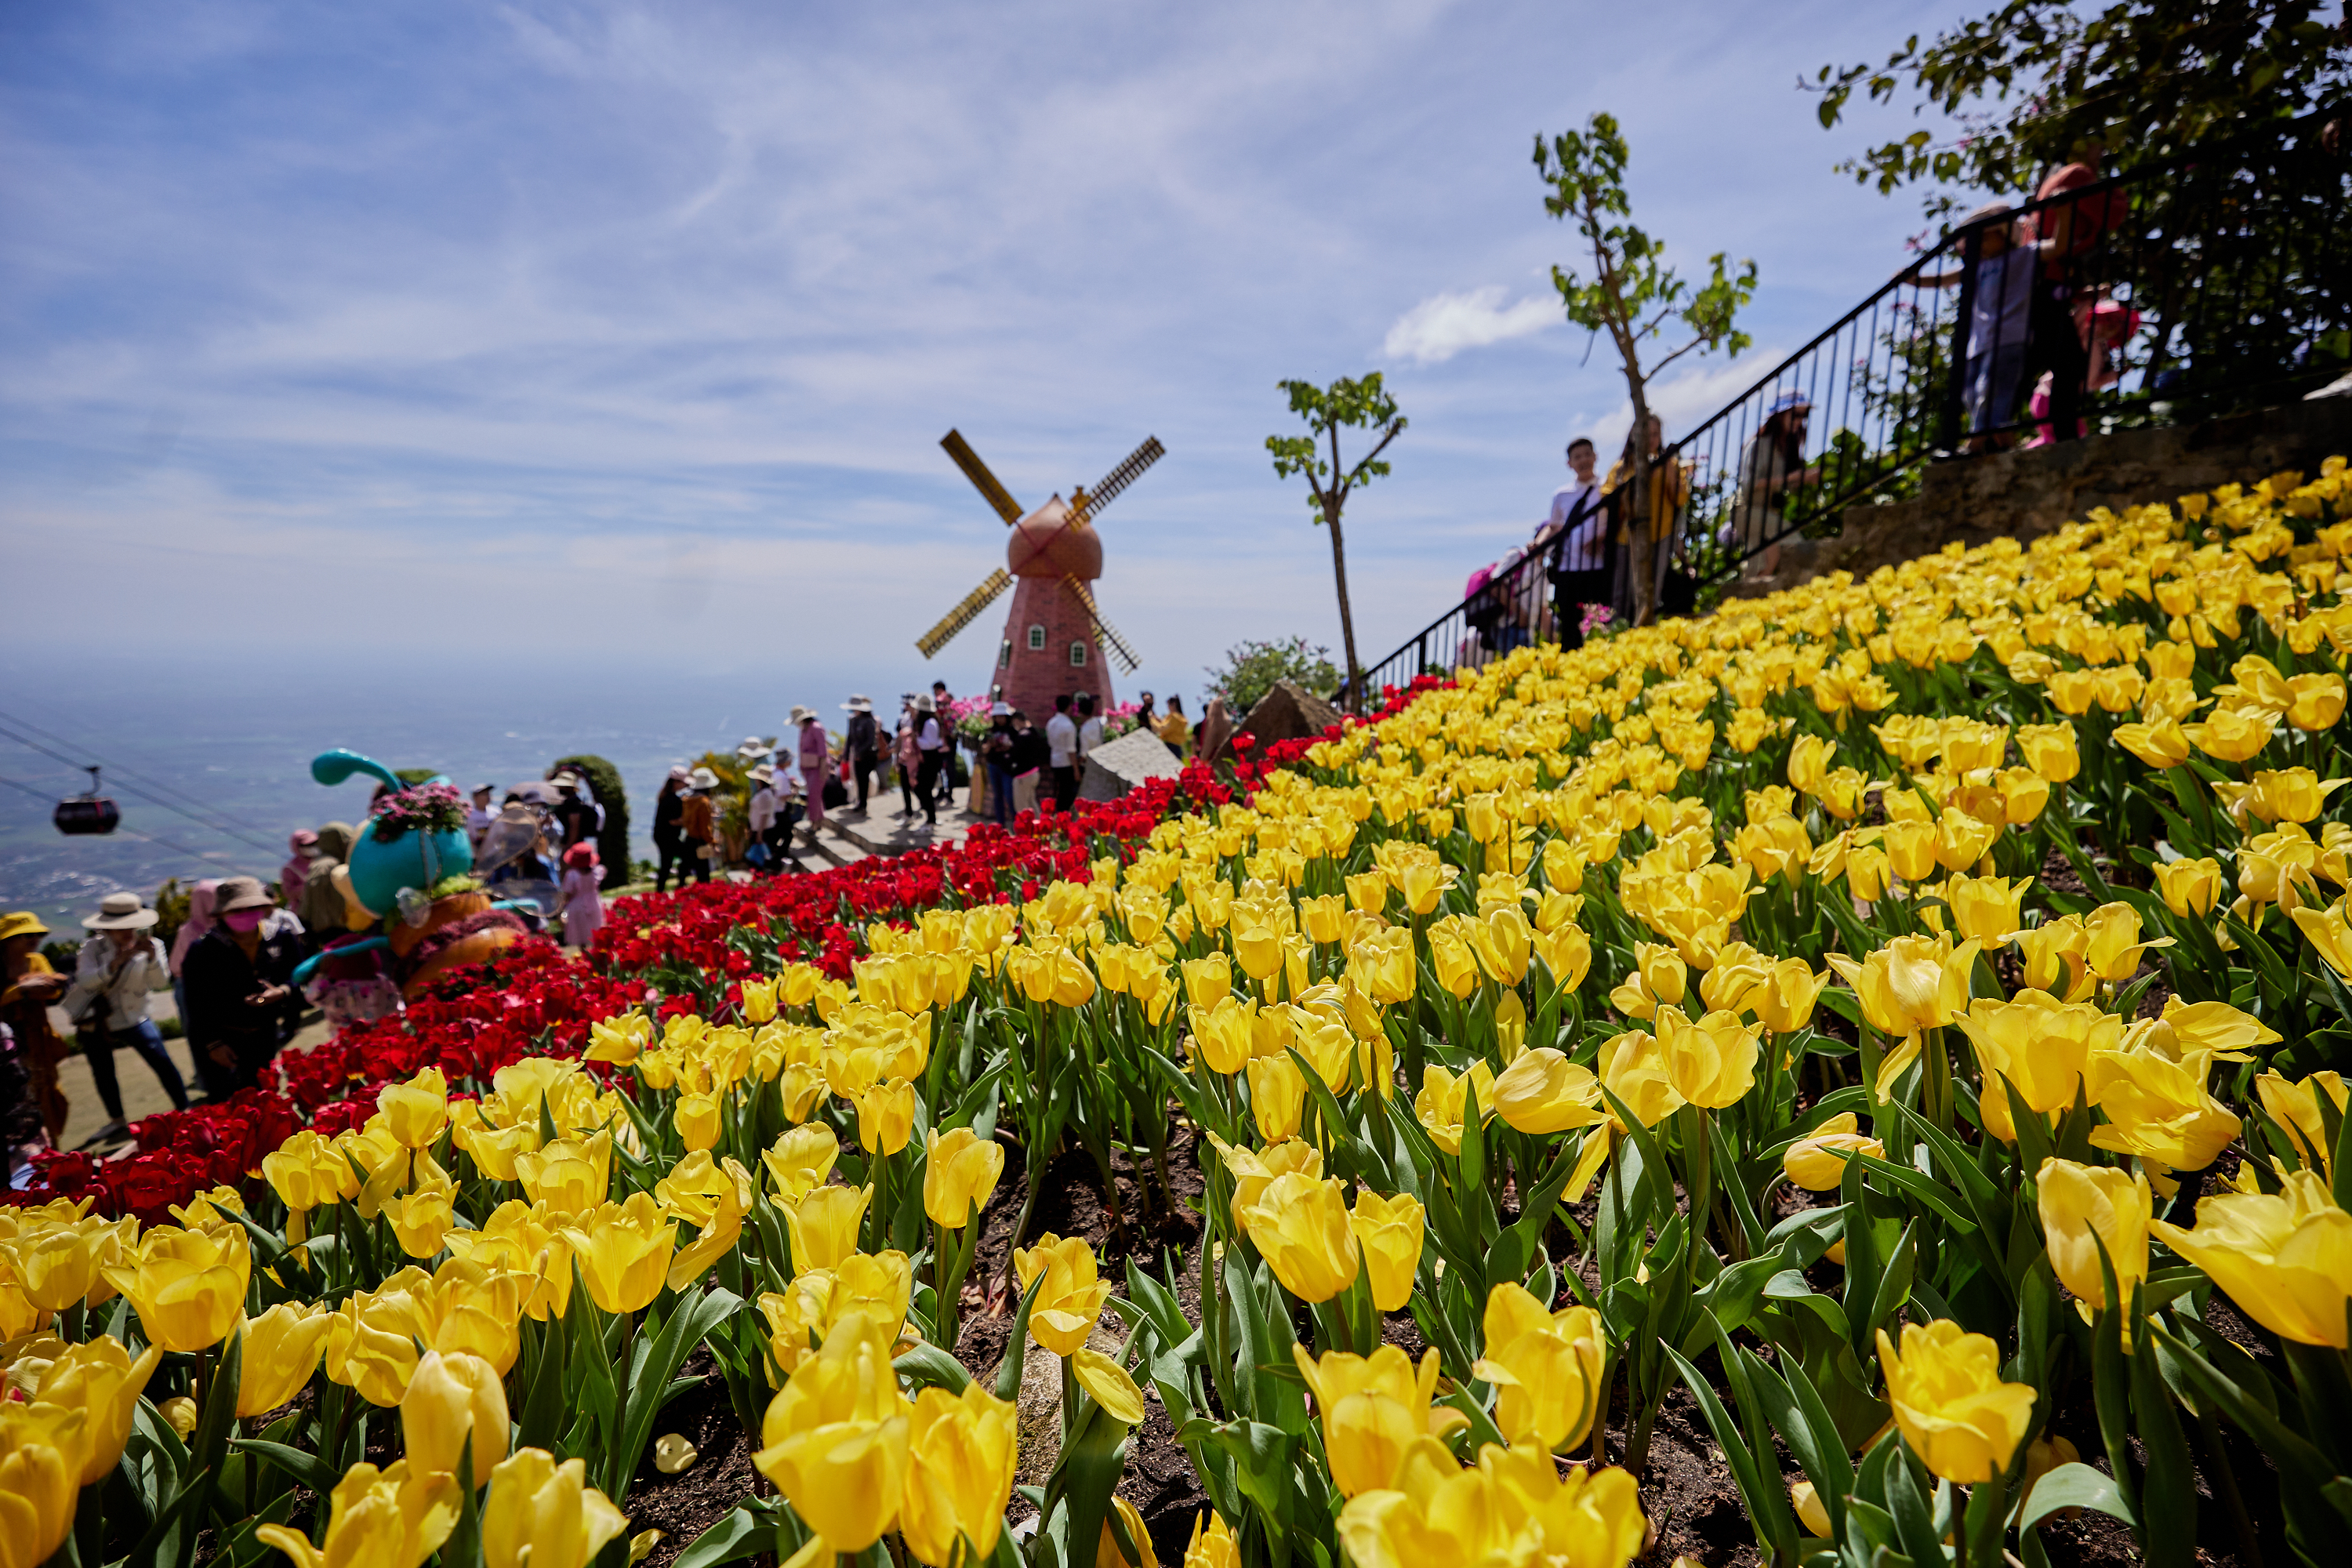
1077 655
1036 639
1004 655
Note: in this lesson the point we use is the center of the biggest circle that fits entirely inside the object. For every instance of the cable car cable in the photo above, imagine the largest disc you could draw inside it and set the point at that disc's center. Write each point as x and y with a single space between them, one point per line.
167 844
150 799
126 772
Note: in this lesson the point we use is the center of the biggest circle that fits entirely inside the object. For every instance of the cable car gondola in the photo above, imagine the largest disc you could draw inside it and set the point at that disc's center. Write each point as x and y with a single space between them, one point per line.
87 814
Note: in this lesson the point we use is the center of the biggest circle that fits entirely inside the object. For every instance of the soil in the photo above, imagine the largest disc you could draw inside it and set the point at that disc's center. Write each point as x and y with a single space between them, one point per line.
684 1505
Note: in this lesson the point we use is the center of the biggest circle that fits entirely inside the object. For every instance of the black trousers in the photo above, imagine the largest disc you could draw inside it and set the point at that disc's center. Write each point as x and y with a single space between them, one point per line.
1572 592
696 867
2054 343
927 784
669 849
1065 787
864 767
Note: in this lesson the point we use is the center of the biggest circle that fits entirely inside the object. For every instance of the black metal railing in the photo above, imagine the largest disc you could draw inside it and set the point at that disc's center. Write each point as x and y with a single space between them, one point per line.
2204 287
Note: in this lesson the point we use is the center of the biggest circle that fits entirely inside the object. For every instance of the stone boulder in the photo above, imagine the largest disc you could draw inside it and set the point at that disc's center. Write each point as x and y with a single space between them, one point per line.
1118 766
1288 711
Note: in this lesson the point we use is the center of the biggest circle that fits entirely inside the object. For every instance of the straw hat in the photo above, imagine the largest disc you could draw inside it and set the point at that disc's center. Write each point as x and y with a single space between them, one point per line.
681 773
802 713
21 922
753 746
763 773
236 893
120 912
924 704
703 778
858 703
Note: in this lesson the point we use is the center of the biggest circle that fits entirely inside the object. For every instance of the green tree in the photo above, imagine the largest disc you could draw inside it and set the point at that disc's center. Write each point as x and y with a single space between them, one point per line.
2034 82
1360 404
1251 668
1633 295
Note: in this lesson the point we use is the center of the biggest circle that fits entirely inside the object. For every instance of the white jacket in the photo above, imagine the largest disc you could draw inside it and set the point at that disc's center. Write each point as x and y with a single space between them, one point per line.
145 971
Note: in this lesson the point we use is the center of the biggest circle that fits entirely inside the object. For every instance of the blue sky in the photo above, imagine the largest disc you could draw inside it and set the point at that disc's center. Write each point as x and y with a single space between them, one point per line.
577 335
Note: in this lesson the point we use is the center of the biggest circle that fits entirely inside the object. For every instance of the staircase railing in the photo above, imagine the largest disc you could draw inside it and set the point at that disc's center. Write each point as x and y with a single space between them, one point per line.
2203 287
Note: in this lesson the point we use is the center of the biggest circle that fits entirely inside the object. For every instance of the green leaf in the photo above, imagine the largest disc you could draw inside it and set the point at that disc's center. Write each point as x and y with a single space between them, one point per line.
929 1366
2075 1486
1008 1371
1768 1504
741 1534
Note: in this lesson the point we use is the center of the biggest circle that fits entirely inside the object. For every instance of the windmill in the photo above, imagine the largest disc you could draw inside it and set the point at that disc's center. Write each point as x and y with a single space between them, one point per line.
1055 635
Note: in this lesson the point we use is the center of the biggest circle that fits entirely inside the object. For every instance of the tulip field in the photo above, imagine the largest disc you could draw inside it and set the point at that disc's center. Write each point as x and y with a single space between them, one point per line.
1894 1022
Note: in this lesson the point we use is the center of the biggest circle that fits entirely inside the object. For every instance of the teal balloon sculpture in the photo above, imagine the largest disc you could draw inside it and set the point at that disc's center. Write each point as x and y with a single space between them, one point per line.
380 869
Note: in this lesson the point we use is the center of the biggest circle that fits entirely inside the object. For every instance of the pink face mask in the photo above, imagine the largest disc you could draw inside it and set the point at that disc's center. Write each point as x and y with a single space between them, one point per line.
244 919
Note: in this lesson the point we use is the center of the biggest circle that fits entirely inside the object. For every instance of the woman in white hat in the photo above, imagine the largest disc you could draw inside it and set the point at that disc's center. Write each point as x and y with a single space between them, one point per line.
699 824
120 966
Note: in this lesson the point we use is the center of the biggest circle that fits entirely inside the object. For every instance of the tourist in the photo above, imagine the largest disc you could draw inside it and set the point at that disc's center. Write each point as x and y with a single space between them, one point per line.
119 967
30 987
321 905
577 814
759 817
906 757
304 845
943 705
1090 732
1031 763
863 744
240 982
1175 731
814 753
1577 536
1772 466
996 757
1061 746
478 820
191 932
1147 713
669 838
579 901
2063 233
1665 500
698 826
2106 325
2001 295
931 756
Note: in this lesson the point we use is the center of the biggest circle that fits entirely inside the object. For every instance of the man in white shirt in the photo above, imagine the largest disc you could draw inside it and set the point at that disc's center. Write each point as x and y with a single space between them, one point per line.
1576 534
932 742
1061 753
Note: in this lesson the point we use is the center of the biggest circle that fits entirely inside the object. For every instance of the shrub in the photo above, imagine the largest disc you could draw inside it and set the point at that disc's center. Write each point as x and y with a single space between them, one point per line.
1251 668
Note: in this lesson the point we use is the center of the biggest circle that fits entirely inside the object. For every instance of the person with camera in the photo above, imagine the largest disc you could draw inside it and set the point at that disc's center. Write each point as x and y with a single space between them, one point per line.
240 981
119 967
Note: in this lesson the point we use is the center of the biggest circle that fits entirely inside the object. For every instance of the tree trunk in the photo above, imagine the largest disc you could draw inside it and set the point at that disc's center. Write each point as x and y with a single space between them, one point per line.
1347 618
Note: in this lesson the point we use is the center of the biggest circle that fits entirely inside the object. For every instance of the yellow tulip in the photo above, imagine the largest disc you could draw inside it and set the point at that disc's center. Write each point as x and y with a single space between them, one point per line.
824 1224
570 1175
188 1285
420 1218
885 1117
2079 1203
1633 1068
622 1252
57 1267
101 1380
696 1118
960 1173
1301 1227
1817 1160
1950 1404
1373 1408
1807 1502
1986 908
2319 700
2230 734
1545 1366
1785 1002
2295 1108
1543 1092
2285 1258
364 1355
2191 887
2163 744
1388 1231
40 1449
448 1396
961 1453
1913 982
2112 945
1440 1106
1451 959
418 1110
394 1518
799 1161
2049 751
540 1514
835 1439
1212 1545
1072 1297
1711 1063
1382 965
2158 1109
283 1348
1107 1550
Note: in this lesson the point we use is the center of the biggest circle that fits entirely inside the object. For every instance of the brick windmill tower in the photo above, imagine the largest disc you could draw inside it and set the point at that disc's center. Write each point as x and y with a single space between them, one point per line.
1055 638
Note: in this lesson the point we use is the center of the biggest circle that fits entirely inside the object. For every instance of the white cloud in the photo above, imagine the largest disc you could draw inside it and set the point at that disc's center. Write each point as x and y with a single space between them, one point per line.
1444 324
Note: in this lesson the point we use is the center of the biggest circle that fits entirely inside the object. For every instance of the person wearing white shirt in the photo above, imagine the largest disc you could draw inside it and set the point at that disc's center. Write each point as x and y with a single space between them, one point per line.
1578 536
1061 753
118 968
932 742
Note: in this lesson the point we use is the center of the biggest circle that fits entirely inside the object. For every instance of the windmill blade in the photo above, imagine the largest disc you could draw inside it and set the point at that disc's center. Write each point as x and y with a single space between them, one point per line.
955 620
983 480
1089 502
1104 631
